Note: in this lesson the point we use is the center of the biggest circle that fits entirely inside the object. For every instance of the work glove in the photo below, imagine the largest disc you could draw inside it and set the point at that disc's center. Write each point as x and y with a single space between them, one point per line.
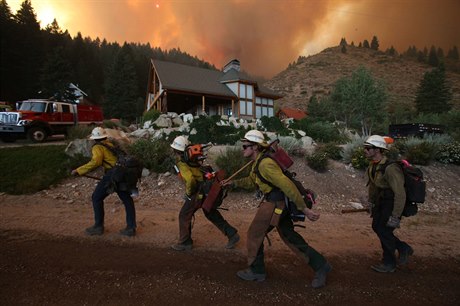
74 173
393 222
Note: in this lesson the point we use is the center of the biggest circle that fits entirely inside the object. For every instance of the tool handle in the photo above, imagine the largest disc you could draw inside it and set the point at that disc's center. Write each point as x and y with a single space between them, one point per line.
349 211
237 172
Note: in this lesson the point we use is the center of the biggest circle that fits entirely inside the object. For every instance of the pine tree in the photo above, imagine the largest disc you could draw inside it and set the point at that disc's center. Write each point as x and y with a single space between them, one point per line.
366 44
433 57
375 43
453 53
29 53
121 87
56 77
434 94
7 54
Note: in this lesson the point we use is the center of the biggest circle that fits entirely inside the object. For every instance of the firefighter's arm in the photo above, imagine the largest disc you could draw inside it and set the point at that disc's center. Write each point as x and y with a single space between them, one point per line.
245 183
395 178
96 161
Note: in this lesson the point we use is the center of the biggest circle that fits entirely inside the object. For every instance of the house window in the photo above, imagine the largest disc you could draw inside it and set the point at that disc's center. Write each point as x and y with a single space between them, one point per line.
264 107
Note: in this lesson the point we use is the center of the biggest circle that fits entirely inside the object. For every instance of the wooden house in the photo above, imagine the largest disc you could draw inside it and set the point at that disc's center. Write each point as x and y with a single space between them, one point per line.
179 88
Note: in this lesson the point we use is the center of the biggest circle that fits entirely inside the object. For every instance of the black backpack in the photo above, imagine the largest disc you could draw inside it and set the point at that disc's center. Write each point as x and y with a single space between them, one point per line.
414 185
128 169
281 158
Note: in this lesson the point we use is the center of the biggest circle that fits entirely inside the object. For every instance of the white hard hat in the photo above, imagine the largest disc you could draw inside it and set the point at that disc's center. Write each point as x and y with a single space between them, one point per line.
256 137
180 143
98 133
376 141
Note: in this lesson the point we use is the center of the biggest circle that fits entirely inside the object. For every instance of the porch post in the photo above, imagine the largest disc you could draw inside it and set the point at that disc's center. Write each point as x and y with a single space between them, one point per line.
203 104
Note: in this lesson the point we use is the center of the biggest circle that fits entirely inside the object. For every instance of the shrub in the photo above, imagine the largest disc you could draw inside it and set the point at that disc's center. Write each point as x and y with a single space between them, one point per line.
156 155
421 154
273 124
318 161
422 151
349 149
332 150
291 145
231 161
79 132
318 130
151 115
358 159
449 153
208 131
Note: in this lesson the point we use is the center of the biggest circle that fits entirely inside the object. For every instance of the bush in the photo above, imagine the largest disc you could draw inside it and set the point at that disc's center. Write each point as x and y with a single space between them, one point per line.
331 150
358 159
291 145
318 130
79 132
151 115
231 161
156 155
318 161
273 124
356 143
449 153
208 131
422 151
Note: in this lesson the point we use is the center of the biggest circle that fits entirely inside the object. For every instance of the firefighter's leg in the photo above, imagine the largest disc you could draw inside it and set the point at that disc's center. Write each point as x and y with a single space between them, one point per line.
185 222
298 245
256 233
218 220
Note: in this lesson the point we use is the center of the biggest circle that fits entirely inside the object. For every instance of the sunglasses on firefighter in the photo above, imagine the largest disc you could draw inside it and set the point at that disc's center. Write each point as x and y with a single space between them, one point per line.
367 148
247 146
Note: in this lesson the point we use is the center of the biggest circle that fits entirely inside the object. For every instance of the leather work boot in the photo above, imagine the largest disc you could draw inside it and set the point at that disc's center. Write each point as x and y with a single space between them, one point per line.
250 276
404 256
232 241
181 247
130 232
320 276
383 268
94 230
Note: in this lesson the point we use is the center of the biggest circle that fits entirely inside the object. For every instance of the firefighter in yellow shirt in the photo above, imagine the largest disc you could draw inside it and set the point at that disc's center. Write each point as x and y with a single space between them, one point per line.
192 173
272 213
102 156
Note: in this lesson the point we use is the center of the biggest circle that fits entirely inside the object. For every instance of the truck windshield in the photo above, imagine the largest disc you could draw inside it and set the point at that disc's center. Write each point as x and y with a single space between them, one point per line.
38 107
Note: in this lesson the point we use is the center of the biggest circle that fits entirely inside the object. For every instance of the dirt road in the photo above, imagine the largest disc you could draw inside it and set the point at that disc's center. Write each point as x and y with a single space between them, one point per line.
45 259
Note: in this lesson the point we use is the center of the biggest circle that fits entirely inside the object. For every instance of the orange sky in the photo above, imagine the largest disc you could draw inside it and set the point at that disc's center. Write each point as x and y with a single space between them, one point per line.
265 35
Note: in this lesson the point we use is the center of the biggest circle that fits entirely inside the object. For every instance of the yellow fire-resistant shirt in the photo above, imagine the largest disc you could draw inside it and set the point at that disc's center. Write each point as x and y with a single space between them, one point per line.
192 176
101 156
393 178
271 172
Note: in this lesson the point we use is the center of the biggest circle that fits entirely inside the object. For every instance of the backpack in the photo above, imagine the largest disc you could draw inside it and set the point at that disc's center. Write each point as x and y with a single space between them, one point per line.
414 185
284 162
127 170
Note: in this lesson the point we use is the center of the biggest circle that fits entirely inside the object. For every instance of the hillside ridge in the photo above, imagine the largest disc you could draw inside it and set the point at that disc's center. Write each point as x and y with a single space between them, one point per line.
316 75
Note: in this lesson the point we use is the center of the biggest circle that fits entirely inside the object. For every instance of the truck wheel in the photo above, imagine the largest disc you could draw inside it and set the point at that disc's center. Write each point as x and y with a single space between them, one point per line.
37 134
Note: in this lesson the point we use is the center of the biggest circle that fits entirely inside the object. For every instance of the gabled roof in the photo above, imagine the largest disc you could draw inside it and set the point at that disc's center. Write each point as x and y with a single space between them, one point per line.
293 113
192 79
180 77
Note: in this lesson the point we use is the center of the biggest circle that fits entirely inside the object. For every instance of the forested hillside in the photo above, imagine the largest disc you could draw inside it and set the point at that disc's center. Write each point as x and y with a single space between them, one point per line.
40 63
401 74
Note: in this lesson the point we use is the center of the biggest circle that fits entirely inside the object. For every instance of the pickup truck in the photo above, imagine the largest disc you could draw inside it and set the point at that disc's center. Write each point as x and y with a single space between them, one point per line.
37 119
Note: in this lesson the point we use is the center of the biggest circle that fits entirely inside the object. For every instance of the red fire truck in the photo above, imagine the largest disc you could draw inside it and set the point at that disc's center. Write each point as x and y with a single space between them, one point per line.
37 119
